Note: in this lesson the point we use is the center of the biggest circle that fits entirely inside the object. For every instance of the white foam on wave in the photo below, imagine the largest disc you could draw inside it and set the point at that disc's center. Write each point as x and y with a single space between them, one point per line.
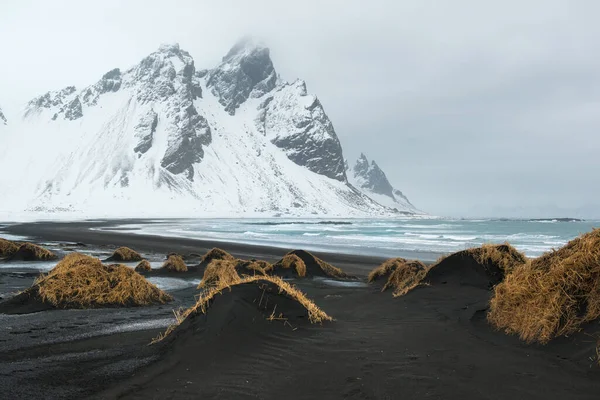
42 266
335 283
168 284
385 238
15 238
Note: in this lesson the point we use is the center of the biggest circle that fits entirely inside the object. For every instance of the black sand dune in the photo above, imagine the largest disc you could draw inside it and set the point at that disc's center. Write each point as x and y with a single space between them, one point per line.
462 269
252 308
467 269
314 267
433 342
31 252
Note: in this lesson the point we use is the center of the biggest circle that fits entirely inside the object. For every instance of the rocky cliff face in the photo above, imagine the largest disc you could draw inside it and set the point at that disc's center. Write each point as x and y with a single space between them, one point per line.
234 139
296 122
3 120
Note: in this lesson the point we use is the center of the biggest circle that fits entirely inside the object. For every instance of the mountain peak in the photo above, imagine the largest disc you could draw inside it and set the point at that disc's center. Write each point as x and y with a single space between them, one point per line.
245 72
169 48
245 46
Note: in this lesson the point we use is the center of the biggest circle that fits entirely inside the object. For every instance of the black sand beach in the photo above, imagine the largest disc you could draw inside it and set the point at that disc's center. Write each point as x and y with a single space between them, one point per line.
433 342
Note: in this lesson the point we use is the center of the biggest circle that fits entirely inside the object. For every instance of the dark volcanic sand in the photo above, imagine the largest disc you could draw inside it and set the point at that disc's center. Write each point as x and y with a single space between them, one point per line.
432 343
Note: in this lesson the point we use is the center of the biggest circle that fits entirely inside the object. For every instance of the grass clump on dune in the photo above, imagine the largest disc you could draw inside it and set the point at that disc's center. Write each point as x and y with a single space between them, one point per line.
125 254
553 295
175 263
33 252
290 262
253 267
144 265
228 271
80 281
220 272
7 248
402 275
315 314
487 266
216 254
504 256
314 266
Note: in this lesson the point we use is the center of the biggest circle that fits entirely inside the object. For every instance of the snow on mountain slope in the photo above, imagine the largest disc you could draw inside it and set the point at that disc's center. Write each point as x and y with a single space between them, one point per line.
163 139
371 180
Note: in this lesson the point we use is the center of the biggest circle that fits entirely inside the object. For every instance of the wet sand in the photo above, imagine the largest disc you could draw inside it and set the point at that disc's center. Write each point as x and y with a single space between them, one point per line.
432 343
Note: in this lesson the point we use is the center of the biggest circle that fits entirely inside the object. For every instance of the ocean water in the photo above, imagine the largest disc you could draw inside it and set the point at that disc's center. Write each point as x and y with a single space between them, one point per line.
421 238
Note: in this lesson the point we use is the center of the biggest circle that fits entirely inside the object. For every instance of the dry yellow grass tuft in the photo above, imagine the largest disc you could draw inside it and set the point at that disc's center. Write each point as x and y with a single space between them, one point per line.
385 269
7 248
315 314
230 270
402 275
73 261
125 254
216 254
553 295
220 272
144 265
33 252
253 267
290 261
80 281
175 263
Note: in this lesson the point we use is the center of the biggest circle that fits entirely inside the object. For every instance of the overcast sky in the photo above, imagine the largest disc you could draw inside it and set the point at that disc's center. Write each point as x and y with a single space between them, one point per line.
471 108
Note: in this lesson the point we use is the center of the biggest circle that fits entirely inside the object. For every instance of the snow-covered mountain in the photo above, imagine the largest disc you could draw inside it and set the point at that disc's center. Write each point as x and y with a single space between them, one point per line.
371 180
163 138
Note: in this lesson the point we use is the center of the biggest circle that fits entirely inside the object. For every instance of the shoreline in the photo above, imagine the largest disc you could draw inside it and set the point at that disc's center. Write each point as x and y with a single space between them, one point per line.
156 244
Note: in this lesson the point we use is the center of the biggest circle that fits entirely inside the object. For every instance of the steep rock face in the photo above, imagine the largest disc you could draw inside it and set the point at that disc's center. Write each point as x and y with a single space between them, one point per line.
371 179
246 71
168 76
144 131
296 122
3 120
